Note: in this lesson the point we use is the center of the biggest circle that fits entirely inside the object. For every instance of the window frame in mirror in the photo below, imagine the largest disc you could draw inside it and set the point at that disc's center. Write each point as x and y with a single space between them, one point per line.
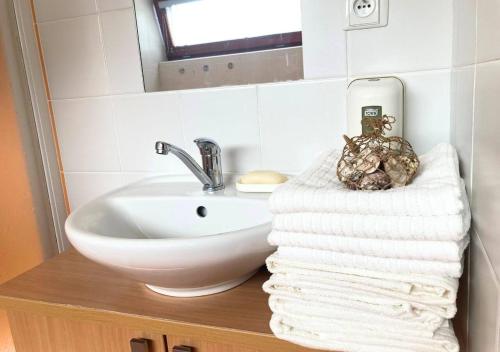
243 45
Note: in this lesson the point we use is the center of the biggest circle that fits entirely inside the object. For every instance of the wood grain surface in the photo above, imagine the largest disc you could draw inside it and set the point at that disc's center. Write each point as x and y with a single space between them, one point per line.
72 287
49 334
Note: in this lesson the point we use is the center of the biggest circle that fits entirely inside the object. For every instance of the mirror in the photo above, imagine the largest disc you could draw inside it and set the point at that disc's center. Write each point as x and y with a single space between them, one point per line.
189 44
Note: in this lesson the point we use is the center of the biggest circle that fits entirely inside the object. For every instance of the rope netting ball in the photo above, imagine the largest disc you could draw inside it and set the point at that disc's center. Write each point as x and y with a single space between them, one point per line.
373 161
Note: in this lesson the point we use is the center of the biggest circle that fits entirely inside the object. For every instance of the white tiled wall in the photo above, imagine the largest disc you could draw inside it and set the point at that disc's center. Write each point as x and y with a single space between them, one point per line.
75 67
50 10
140 121
488 35
475 127
323 39
107 125
299 121
89 50
121 51
417 42
86 133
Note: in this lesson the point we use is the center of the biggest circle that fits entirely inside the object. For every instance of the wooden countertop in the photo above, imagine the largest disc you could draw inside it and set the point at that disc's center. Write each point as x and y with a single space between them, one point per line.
72 286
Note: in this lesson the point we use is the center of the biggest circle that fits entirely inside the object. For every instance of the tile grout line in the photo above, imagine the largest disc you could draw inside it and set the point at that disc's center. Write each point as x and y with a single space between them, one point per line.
270 84
108 88
76 17
103 48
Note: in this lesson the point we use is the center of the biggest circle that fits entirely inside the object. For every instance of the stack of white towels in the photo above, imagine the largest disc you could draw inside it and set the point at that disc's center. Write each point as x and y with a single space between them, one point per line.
369 270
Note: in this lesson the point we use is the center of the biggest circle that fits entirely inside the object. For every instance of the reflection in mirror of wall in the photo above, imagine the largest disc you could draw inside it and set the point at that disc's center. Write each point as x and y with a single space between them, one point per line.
189 44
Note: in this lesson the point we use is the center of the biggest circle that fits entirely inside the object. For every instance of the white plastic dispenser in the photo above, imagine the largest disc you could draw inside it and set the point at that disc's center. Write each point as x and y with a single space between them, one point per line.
373 98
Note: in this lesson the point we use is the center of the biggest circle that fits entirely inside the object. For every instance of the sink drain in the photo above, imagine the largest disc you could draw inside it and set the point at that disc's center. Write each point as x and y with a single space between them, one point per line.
201 211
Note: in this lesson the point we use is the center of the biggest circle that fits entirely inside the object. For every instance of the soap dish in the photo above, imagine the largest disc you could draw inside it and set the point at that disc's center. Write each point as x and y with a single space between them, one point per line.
257 187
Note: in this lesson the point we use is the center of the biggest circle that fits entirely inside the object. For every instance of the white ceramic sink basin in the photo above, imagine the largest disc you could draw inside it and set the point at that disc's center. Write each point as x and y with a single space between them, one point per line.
178 240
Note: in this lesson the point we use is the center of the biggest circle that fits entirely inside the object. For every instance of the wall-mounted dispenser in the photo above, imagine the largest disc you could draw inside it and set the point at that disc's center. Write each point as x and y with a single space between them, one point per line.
373 98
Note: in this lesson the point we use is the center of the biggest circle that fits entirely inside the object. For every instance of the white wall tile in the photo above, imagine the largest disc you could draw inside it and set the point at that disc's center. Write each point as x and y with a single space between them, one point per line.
151 80
488 35
85 186
141 121
133 177
486 183
427 108
86 134
323 38
464 32
300 120
74 57
108 5
121 48
462 112
418 37
229 116
49 10
484 302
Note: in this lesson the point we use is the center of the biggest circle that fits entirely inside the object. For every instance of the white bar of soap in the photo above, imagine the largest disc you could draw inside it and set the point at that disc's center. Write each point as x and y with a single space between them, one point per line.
263 177
260 181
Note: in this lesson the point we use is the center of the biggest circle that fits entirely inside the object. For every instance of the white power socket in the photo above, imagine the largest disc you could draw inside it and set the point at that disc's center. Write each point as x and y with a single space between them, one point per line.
362 14
364 8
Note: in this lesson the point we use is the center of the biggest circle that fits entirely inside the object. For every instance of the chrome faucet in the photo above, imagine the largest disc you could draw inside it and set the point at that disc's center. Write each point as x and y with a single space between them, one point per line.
211 173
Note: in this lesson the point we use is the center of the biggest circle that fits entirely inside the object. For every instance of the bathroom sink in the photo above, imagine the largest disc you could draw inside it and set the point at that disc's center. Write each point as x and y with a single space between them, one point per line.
170 235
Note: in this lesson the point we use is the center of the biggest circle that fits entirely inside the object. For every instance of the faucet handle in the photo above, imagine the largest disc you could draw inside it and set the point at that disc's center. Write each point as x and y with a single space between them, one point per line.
207 146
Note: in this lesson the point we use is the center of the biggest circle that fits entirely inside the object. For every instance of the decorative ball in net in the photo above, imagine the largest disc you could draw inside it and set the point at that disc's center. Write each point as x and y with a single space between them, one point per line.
373 161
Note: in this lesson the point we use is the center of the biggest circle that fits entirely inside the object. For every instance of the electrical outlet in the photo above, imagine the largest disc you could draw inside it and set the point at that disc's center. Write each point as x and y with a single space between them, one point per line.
362 14
364 8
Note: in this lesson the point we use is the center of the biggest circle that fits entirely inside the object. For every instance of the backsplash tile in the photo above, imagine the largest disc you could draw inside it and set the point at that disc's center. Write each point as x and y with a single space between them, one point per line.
121 48
74 57
299 121
464 32
427 108
85 186
462 112
133 177
141 121
488 35
486 183
420 41
50 10
484 302
323 38
86 134
229 116
108 5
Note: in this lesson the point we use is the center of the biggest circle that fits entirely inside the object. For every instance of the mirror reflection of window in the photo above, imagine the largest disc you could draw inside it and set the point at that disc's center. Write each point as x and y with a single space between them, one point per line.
197 22
210 43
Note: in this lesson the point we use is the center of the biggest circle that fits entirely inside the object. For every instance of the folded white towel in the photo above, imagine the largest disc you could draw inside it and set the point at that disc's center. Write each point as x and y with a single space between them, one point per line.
350 296
421 290
411 284
436 190
394 265
351 318
403 249
329 334
437 228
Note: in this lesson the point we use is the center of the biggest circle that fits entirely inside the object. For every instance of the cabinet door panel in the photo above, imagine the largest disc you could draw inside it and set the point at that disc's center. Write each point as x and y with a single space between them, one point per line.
36 333
204 346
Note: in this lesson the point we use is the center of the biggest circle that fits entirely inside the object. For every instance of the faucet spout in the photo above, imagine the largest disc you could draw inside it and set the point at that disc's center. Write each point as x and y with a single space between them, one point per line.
210 176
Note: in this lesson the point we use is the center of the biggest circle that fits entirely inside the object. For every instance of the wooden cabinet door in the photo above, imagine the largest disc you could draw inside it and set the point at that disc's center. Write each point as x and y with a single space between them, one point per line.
203 346
36 333
200 344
